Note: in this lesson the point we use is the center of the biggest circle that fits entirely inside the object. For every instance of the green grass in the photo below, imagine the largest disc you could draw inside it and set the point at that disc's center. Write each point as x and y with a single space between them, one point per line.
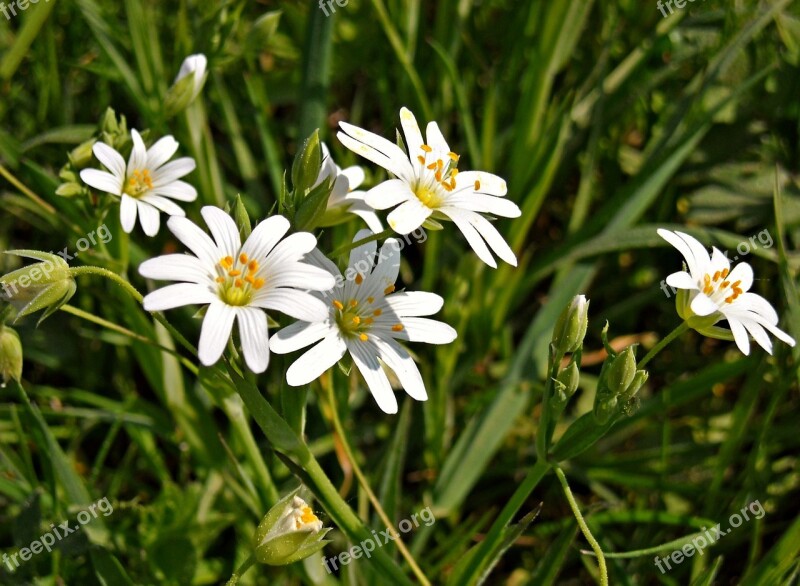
606 120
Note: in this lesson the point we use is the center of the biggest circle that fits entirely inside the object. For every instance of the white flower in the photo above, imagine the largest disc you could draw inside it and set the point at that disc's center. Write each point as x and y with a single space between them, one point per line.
344 199
366 318
194 64
146 183
238 281
716 292
428 184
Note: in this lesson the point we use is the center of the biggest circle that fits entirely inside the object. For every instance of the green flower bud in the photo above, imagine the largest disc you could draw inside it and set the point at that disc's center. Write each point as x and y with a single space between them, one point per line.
42 285
69 189
570 377
289 532
639 379
571 325
10 355
81 155
621 371
605 406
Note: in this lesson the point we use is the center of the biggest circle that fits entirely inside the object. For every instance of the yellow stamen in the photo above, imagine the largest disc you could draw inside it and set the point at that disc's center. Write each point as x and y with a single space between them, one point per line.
356 320
388 290
370 299
338 305
234 273
421 159
363 337
259 283
438 175
368 321
243 258
716 276
426 148
238 283
724 273
359 279
252 266
308 516
220 279
377 312
227 261
477 185
453 156
353 303
432 166
397 328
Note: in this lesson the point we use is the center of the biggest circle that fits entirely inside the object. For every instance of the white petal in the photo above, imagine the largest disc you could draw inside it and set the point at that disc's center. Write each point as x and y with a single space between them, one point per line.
103 181
414 303
298 335
110 158
681 280
176 267
399 360
127 213
355 176
493 238
695 269
173 296
172 171
138 157
311 365
408 216
255 337
719 261
362 258
161 152
412 132
297 304
179 190
370 218
489 183
759 335
386 271
163 204
291 249
148 217
435 138
195 240
421 329
740 335
376 149
755 303
265 236
388 194
365 357
216 331
699 251
702 305
300 276
487 204
474 239
744 273
223 229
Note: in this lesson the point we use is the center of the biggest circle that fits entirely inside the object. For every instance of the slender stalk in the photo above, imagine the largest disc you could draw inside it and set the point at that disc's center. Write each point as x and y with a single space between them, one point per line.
663 343
30 194
246 565
337 424
78 271
601 560
348 247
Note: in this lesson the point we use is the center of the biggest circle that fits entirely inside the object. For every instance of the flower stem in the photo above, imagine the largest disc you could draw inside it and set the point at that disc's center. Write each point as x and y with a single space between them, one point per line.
601 560
241 570
77 271
348 247
663 343
337 424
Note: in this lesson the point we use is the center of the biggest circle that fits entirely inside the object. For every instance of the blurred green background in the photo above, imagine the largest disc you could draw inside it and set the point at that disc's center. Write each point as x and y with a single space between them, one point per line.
606 119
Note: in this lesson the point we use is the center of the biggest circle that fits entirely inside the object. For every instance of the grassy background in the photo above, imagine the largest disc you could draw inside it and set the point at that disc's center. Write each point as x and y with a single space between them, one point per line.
607 121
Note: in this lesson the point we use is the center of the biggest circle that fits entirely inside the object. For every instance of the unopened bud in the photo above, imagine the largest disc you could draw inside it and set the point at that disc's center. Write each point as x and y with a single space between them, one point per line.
621 371
43 285
10 355
570 377
288 533
571 325
188 84
82 154
639 379
605 406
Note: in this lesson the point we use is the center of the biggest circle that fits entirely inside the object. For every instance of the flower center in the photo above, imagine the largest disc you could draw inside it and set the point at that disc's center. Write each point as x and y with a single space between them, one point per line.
237 279
717 288
355 319
138 182
307 516
435 176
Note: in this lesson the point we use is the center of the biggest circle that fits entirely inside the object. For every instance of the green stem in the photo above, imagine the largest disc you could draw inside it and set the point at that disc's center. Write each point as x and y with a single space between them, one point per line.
337 425
348 247
78 271
242 570
663 343
601 560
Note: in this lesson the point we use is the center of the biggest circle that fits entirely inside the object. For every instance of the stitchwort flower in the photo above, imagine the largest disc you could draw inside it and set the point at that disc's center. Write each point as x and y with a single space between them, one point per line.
147 184
238 281
711 292
366 318
428 184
